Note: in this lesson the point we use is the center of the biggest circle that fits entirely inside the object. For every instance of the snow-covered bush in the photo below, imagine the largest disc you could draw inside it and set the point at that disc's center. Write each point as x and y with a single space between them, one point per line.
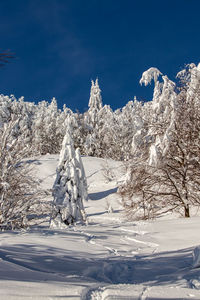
20 200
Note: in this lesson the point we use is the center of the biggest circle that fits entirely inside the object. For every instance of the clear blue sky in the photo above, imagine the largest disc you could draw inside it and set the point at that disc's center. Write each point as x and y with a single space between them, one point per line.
61 45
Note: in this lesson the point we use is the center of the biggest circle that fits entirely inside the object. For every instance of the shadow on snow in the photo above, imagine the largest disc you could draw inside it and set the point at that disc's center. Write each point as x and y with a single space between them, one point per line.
100 195
35 262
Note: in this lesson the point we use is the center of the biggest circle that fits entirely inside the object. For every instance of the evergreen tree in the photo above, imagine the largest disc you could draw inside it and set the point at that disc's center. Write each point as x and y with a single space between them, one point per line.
69 188
92 120
95 101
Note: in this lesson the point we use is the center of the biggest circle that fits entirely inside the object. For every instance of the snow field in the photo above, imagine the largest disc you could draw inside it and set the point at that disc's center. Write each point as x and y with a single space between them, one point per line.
110 258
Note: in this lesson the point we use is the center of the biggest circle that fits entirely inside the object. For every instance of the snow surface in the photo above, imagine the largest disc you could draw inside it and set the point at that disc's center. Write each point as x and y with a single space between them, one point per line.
110 258
196 257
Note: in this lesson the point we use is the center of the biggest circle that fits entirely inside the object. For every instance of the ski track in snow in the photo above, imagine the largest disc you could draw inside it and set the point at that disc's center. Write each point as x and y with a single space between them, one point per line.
141 242
137 232
93 239
96 292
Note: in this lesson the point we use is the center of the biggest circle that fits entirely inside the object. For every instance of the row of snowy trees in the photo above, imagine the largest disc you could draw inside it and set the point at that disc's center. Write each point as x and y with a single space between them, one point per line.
42 125
100 131
159 140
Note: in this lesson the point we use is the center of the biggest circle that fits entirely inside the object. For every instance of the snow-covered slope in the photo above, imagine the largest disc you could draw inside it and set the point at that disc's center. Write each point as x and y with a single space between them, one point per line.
110 258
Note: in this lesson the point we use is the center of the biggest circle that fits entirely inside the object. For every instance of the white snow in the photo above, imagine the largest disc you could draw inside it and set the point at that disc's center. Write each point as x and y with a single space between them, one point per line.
110 258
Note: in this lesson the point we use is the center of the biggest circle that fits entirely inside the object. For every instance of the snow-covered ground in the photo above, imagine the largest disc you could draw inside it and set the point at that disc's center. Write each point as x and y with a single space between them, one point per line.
110 258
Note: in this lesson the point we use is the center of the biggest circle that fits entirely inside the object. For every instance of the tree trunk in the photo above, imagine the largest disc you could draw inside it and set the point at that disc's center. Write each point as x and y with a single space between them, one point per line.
187 211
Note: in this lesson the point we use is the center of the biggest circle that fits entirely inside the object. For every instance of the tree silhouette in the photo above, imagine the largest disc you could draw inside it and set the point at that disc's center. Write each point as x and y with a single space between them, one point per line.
5 57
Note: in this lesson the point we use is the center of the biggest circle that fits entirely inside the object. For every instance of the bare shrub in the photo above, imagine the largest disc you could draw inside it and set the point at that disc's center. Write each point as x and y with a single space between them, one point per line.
107 172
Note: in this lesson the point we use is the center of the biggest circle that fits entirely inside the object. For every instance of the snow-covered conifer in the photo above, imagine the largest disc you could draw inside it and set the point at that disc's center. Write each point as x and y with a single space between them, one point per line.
69 188
92 119
95 101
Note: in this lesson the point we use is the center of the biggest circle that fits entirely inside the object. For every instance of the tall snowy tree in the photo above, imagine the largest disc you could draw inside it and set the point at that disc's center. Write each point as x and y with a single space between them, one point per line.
69 190
162 112
95 101
92 119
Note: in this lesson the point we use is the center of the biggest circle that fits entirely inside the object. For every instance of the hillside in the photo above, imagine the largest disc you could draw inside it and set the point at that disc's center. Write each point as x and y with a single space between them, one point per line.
110 258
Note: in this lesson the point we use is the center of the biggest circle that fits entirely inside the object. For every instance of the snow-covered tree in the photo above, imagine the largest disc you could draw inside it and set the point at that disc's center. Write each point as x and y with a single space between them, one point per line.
167 178
80 131
125 125
39 140
48 128
70 189
161 113
5 109
95 101
24 112
20 200
92 119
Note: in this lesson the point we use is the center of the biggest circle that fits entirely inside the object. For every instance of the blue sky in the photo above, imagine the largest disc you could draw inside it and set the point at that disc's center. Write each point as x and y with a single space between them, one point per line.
60 45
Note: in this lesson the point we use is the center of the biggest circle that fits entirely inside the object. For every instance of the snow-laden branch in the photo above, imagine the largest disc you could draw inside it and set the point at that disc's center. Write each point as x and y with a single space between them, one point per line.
150 74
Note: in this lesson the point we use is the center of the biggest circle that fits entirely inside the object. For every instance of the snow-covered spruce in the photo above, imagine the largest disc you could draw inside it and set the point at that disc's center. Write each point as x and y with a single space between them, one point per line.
70 186
92 120
95 101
